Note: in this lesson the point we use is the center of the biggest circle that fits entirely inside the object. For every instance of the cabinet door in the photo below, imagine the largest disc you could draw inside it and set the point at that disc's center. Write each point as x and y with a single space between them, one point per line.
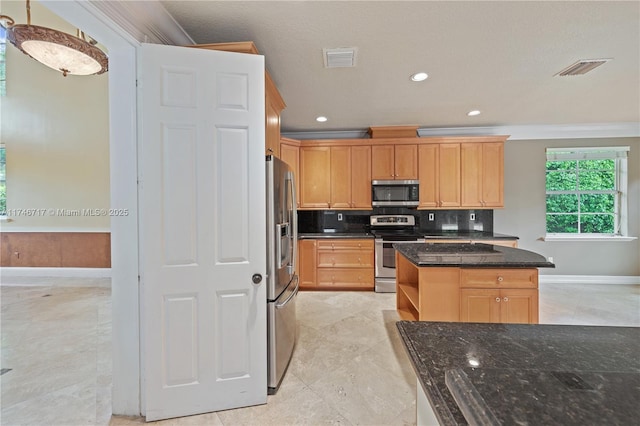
272 129
492 194
480 305
519 306
406 162
315 177
307 263
290 155
428 175
361 177
382 162
449 175
482 174
471 165
340 177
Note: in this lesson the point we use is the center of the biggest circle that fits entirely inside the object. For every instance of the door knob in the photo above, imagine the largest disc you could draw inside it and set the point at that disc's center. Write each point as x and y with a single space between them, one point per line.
256 278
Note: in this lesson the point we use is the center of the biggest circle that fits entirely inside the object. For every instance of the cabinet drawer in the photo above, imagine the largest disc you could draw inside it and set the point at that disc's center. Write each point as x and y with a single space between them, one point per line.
345 244
357 277
499 278
345 259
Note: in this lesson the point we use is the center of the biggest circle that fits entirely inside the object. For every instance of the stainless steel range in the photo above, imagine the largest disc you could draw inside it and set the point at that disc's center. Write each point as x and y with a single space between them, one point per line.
389 229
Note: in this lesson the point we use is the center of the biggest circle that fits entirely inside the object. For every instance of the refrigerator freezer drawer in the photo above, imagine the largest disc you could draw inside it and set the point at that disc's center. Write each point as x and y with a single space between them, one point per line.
282 332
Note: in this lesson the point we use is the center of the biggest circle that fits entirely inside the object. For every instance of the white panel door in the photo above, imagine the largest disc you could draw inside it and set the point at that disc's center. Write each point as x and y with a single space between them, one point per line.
202 225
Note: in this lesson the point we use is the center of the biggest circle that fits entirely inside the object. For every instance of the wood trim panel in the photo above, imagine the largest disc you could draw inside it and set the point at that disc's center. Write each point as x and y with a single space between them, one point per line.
56 249
393 131
404 141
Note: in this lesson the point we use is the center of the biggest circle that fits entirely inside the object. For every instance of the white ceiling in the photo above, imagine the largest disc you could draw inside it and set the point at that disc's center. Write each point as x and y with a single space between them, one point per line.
499 57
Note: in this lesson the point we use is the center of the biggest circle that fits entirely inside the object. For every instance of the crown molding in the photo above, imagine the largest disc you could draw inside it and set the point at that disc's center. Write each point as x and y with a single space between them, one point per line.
145 21
516 132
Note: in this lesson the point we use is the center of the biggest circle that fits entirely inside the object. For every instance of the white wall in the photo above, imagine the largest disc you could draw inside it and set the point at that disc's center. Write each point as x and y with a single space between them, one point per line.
524 212
56 133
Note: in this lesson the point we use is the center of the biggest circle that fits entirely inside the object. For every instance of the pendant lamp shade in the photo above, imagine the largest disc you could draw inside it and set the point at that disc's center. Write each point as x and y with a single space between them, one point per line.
56 49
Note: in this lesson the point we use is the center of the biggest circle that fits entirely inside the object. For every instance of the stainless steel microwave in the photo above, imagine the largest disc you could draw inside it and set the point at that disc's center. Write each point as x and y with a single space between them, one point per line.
394 193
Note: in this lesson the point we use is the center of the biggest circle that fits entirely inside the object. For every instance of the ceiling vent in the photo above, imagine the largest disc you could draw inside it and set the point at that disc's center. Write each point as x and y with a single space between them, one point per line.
583 66
342 57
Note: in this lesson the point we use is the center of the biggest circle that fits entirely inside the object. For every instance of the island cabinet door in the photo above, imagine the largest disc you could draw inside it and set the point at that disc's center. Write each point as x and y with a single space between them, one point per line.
519 306
480 305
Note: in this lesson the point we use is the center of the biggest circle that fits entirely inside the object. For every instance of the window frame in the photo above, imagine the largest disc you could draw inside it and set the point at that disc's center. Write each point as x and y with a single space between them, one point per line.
3 214
617 153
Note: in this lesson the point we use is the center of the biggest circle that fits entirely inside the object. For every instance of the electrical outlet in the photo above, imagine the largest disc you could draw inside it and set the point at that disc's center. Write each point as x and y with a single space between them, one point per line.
431 217
472 217
551 259
339 217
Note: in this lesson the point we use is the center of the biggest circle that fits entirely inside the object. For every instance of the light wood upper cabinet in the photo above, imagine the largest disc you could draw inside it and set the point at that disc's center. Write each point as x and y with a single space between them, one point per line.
482 174
361 177
394 162
350 177
337 177
290 153
439 175
340 177
315 177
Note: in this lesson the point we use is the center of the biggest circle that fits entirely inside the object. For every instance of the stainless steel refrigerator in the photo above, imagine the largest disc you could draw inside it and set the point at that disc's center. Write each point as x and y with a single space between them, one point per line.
282 279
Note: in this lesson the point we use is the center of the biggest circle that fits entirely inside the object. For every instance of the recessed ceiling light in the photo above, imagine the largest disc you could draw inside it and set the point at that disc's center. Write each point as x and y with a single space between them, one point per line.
474 112
420 76
321 119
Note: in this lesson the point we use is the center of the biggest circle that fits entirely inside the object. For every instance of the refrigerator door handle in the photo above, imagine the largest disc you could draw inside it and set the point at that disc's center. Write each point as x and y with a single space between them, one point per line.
293 294
294 219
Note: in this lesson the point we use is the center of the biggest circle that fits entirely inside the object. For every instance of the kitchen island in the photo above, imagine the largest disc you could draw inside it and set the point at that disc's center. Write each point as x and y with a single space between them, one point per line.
492 374
467 282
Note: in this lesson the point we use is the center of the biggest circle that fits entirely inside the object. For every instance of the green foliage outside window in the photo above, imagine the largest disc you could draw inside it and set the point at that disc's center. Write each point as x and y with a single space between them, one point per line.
581 196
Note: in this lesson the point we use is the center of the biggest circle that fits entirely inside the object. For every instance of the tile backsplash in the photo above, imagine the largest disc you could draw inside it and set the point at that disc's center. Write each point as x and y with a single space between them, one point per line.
311 221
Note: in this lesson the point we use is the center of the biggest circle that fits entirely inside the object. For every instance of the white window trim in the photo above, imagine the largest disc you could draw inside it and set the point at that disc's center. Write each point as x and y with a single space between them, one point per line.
586 237
596 153
4 217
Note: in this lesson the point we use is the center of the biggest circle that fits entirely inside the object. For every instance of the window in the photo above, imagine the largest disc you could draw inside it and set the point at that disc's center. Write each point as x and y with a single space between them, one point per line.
586 191
3 181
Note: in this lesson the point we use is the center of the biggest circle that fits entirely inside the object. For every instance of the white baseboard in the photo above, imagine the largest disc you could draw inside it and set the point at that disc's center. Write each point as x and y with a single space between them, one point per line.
589 279
55 272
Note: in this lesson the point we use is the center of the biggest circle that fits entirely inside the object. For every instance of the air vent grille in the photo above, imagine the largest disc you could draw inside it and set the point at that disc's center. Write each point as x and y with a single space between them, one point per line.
340 58
583 66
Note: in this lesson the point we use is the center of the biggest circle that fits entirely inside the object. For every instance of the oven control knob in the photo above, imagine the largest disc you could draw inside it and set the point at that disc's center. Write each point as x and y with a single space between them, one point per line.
256 278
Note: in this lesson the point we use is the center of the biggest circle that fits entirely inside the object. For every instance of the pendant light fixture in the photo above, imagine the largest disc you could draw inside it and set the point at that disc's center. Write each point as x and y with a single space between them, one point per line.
56 49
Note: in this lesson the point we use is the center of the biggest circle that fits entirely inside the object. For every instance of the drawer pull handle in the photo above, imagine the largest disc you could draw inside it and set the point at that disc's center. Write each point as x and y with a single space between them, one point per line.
500 279
497 299
506 299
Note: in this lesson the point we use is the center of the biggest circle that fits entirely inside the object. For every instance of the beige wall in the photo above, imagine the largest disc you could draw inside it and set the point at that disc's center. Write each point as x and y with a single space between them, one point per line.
56 133
524 212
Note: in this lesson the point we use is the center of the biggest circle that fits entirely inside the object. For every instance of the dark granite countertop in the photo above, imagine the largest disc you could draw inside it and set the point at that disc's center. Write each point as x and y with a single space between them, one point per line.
492 374
317 235
471 255
467 235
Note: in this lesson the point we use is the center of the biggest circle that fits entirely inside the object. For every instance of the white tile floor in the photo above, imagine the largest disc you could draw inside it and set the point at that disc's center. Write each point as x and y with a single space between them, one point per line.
349 366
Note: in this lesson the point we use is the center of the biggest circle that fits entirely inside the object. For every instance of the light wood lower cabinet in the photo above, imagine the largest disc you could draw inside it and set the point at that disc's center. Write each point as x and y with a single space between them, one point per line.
466 295
499 306
337 264
307 263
